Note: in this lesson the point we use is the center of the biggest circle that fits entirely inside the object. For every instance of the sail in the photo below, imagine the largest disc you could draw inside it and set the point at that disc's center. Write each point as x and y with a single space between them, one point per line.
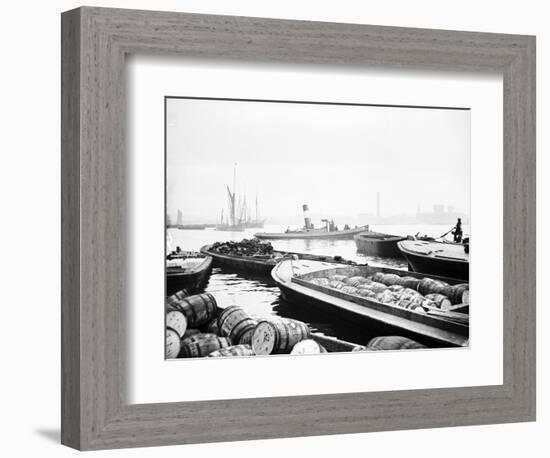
231 204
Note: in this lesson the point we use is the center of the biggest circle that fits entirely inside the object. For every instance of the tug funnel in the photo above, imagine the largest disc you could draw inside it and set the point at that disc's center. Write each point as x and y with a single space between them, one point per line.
307 219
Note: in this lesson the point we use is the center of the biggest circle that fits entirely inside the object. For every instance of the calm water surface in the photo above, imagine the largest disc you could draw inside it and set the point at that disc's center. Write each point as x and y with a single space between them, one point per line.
260 296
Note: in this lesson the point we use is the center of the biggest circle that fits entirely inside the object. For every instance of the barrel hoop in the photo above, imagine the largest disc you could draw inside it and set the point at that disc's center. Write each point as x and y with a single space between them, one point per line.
276 334
169 328
203 300
225 313
239 334
285 337
212 302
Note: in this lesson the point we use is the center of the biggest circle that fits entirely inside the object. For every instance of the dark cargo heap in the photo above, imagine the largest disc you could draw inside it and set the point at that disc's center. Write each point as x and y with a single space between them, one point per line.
246 247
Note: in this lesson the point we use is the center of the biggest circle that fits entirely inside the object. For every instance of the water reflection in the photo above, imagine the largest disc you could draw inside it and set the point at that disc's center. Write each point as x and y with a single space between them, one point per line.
260 297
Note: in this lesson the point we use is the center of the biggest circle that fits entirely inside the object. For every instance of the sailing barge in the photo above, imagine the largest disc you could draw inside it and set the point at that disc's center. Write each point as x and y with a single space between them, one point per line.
239 217
300 284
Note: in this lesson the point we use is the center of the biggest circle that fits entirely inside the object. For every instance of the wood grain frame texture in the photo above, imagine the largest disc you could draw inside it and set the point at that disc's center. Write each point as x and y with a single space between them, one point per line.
95 41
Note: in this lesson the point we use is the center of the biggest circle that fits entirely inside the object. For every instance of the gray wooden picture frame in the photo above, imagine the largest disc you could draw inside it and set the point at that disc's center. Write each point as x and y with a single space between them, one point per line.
95 41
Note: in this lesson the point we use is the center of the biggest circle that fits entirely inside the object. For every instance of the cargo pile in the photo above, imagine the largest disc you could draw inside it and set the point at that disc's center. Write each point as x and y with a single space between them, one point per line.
393 343
196 327
246 247
419 295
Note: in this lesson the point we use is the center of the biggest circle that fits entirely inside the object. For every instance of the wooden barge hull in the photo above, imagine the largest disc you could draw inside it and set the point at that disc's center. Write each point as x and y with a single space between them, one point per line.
374 317
379 245
436 265
318 235
259 266
194 280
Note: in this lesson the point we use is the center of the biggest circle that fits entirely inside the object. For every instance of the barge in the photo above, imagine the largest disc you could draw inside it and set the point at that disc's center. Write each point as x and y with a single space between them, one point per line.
189 272
430 326
450 259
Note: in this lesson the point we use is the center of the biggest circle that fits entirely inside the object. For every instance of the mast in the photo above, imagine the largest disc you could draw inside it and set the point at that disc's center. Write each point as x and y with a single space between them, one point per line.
257 207
234 191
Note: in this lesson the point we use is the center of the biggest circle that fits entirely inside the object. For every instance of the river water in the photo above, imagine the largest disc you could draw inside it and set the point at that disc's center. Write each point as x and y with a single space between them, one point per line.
260 296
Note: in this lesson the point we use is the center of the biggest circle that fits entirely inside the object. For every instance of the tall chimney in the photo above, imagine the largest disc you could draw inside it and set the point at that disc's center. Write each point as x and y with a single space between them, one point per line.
307 219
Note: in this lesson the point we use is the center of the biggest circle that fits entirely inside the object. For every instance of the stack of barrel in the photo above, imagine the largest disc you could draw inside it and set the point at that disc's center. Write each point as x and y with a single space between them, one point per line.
196 327
417 294
429 287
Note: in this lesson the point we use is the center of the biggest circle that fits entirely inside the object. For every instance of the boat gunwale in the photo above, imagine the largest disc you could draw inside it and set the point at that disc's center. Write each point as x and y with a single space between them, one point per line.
272 262
408 251
379 237
204 265
250 260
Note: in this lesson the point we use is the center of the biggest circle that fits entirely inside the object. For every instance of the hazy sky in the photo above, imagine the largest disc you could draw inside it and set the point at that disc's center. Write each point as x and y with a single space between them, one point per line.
335 158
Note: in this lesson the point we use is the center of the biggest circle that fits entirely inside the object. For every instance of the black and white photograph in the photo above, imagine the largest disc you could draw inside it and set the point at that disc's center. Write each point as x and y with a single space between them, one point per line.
299 228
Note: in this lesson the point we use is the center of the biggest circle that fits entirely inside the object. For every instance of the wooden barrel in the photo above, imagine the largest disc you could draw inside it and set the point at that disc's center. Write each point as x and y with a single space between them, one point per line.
197 336
440 300
356 281
278 336
172 344
366 292
396 288
377 287
307 347
177 296
390 279
430 286
202 345
393 343
349 289
320 281
211 327
458 296
236 324
176 321
409 282
336 284
234 350
199 309
189 333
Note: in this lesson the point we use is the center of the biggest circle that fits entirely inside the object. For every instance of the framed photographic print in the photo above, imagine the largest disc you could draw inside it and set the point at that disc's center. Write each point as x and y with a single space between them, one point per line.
292 204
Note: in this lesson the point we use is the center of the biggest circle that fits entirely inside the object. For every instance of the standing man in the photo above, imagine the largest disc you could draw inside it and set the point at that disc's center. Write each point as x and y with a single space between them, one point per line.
457 231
